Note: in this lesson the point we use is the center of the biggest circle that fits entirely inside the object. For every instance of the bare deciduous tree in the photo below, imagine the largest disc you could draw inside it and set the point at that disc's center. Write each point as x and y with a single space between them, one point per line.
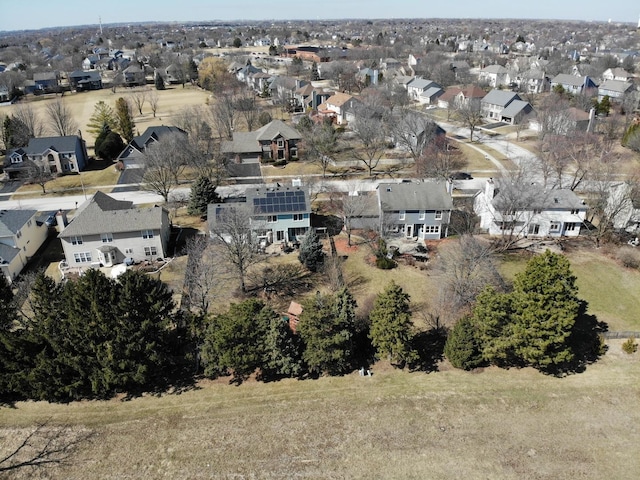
153 102
321 142
352 206
224 115
247 106
412 132
59 119
471 115
44 446
139 98
232 229
30 119
370 133
164 163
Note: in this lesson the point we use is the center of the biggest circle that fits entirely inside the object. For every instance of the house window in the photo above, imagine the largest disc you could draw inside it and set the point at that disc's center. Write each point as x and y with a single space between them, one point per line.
574 211
505 225
402 215
431 229
272 218
421 215
534 229
537 211
19 234
438 215
280 143
147 233
29 223
77 240
82 257
280 236
150 251
106 237
570 226
128 251
298 217
554 227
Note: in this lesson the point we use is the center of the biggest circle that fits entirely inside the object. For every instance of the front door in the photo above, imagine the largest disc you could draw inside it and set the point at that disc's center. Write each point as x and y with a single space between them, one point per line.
409 231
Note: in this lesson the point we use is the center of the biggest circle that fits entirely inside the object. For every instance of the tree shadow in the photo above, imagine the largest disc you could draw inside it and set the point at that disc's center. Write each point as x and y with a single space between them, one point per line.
429 345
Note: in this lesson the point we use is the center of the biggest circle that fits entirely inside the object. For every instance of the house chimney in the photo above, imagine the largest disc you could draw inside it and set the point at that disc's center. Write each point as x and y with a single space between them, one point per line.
489 189
61 220
592 119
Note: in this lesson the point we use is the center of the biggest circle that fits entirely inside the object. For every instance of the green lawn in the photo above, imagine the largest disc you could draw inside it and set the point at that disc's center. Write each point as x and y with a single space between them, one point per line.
613 292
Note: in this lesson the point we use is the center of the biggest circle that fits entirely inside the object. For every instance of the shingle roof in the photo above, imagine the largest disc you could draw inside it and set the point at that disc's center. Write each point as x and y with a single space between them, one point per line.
422 84
60 144
514 108
274 128
13 220
427 195
615 86
566 79
7 253
500 97
494 69
103 213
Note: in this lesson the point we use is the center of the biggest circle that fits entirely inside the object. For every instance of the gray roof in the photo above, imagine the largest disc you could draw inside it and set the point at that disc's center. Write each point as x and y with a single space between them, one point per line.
431 91
37 146
500 97
277 128
494 69
13 220
426 195
7 253
552 199
515 107
278 200
615 86
104 214
243 142
151 134
422 84
566 79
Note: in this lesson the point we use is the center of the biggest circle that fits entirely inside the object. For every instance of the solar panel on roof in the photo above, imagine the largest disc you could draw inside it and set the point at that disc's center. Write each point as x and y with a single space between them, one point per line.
279 194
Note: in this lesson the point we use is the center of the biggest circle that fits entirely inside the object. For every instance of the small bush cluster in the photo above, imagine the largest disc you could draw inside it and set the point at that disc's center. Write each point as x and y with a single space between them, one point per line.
628 257
630 346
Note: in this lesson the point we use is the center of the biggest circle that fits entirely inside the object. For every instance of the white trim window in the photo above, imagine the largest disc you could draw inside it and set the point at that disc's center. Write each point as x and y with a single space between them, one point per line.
298 217
150 251
147 233
570 226
82 257
272 218
438 215
106 237
77 240
534 229
402 215
431 229
421 215
554 227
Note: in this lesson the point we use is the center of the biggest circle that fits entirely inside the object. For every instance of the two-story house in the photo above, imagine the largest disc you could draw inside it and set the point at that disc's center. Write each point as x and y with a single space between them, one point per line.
274 141
133 156
420 210
46 82
20 238
82 81
58 154
337 107
418 86
573 84
504 106
106 232
277 215
614 89
529 210
494 75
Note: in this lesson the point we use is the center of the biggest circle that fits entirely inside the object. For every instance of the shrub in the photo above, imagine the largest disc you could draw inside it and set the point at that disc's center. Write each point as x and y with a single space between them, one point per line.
630 346
629 257
385 263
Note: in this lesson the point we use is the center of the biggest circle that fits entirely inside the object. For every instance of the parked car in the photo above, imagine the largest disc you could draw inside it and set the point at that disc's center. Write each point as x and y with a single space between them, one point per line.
51 221
461 176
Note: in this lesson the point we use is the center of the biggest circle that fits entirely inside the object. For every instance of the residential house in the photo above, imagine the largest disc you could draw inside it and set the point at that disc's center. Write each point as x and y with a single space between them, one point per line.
573 84
505 106
106 232
46 82
420 210
4 94
134 76
283 88
614 89
563 122
430 96
83 81
368 76
133 154
274 141
617 73
280 214
21 235
309 97
448 98
244 74
531 81
419 85
58 154
470 96
529 211
90 62
337 107
494 75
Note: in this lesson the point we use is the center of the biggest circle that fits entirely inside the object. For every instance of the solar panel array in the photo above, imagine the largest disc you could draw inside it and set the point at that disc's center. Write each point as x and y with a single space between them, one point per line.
280 202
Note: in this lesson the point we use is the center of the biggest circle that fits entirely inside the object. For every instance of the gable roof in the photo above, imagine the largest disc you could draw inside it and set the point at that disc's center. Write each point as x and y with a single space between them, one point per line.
500 97
59 144
276 128
494 69
103 213
339 99
514 108
473 91
281 200
11 221
422 84
615 86
427 195
566 79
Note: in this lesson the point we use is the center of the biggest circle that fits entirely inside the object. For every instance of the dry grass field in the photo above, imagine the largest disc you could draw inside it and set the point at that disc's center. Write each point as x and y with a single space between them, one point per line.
496 424
170 102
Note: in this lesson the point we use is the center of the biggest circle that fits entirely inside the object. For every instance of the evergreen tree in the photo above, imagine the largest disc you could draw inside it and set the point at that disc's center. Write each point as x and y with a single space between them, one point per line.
124 120
282 351
391 330
102 115
159 82
109 146
203 193
14 133
7 337
327 331
463 347
311 254
492 317
234 340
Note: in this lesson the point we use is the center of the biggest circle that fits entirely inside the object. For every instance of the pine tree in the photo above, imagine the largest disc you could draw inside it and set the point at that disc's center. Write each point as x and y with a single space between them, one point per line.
124 120
493 318
234 340
102 115
311 254
108 145
203 193
327 332
159 82
282 351
463 347
391 330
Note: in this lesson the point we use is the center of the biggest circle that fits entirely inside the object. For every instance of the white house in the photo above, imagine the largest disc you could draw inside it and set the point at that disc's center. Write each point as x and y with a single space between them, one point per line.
20 237
529 210
494 75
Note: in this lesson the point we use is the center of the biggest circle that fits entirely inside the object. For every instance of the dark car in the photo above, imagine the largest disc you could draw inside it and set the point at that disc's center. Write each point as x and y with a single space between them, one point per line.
51 221
461 176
